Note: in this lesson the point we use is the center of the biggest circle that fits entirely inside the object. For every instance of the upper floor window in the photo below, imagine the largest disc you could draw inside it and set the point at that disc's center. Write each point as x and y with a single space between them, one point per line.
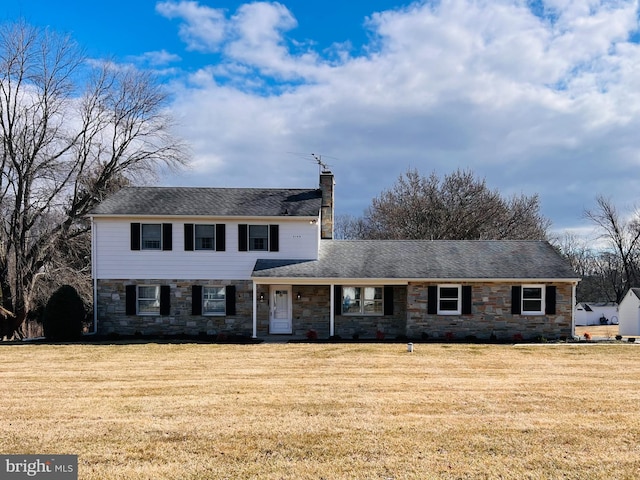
204 236
151 236
362 300
258 238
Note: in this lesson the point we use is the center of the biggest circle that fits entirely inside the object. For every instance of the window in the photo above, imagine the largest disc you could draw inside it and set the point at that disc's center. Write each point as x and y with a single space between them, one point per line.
213 300
362 300
148 300
258 237
532 300
151 236
449 300
205 237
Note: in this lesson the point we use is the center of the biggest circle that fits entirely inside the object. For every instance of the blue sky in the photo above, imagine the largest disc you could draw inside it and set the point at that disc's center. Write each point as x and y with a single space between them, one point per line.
536 97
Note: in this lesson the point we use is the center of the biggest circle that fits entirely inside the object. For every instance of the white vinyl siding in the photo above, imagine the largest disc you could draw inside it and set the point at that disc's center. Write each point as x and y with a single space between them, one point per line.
114 258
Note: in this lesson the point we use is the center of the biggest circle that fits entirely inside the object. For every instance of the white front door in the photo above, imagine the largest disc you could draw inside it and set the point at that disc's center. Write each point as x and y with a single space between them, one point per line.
280 321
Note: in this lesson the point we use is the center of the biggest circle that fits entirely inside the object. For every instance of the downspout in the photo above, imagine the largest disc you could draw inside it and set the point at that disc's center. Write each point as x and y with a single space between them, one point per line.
255 311
573 308
332 313
94 276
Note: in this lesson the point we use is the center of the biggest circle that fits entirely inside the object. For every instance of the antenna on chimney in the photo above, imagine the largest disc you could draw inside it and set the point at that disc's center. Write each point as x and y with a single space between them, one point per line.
322 167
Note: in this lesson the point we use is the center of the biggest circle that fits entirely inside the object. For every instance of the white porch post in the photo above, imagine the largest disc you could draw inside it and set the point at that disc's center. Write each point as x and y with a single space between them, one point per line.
332 313
255 310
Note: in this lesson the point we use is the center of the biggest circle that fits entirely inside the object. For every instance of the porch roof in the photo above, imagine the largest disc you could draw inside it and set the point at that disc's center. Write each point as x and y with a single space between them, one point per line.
425 259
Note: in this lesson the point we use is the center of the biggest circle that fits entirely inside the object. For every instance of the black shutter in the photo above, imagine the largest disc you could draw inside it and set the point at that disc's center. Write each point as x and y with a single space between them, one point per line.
388 300
130 299
167 236
432 299
135 236
220 237
337 299
242 237
196 300
516 297
550 300
165 299
230 297
188 237
274 240
466 299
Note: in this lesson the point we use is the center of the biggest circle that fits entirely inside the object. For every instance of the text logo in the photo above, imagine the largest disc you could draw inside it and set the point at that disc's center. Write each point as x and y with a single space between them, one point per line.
50 467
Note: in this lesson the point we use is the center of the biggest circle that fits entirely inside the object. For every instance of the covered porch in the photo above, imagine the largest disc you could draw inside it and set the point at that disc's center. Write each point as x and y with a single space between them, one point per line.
298 308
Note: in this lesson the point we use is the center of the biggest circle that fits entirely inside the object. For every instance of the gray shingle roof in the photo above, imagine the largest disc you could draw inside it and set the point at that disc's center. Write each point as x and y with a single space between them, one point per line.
259 202
425 259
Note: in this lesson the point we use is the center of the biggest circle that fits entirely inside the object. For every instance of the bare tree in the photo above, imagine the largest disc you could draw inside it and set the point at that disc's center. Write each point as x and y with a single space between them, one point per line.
458 207
600 271
622 238
70 134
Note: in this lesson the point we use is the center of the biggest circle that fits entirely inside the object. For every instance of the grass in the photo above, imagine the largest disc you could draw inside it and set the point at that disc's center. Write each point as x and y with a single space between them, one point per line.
313 411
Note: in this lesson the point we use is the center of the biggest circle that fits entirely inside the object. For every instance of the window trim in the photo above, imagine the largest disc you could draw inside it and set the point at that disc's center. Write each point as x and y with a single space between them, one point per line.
542 299
363 299
272 239
266 239
458 310
212 238
142 246
224 301
139 297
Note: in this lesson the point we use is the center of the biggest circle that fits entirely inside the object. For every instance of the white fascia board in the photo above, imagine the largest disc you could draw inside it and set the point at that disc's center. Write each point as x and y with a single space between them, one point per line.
402 281
327 281
201 217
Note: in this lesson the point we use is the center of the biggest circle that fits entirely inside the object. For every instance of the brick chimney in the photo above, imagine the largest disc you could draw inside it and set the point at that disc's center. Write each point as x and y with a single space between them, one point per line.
326 210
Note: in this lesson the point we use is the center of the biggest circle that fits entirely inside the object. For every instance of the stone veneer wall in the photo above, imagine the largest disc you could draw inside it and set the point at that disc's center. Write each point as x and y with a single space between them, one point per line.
491 314
112 317
313 309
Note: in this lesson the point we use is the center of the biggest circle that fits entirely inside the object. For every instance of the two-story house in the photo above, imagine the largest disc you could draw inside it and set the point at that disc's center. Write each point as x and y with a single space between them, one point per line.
264 262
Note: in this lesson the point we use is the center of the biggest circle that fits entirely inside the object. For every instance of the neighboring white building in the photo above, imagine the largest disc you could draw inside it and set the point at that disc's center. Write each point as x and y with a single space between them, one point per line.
603 313
629 313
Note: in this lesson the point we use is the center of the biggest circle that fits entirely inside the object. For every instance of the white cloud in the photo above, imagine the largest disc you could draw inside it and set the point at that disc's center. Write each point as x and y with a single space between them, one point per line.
203 28
534 103
156 59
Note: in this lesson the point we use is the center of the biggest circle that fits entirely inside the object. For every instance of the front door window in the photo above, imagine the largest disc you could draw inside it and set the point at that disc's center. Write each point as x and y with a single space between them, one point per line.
281 320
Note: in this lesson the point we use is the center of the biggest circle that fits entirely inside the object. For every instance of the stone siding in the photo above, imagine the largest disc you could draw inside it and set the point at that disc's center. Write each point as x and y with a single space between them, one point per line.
313 308
112 317
491 315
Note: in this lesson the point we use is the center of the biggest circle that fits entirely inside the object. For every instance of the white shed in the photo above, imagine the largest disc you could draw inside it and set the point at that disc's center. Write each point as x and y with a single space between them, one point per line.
630 313
589 313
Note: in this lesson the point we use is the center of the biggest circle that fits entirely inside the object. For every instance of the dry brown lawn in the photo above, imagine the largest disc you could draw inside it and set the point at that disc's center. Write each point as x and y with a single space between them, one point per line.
332 411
